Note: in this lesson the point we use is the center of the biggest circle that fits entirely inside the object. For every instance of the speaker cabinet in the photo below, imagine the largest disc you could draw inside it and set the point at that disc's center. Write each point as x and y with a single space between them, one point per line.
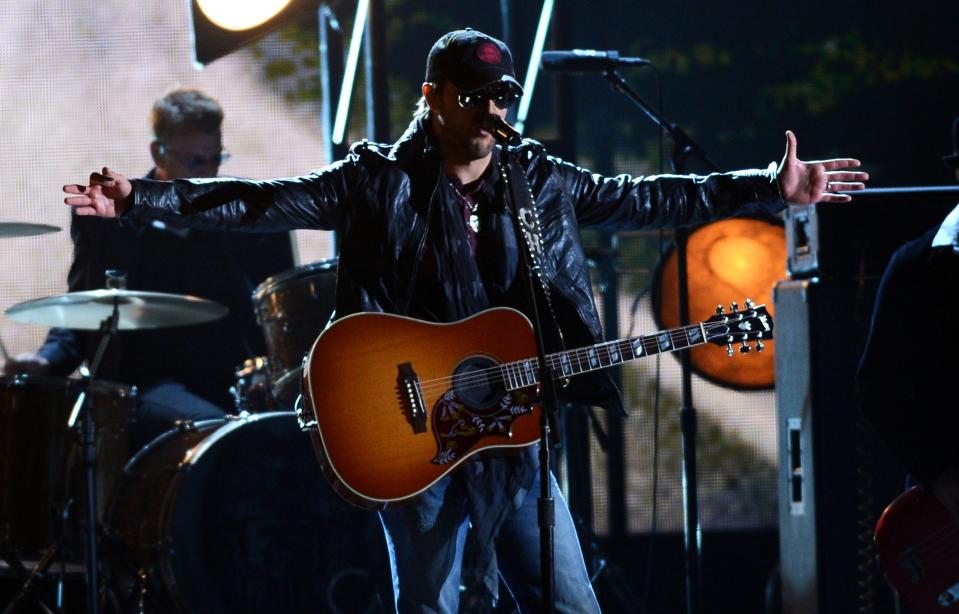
835 477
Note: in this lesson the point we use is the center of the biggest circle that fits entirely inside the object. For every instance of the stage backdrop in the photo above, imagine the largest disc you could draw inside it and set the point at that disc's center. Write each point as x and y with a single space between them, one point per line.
77 80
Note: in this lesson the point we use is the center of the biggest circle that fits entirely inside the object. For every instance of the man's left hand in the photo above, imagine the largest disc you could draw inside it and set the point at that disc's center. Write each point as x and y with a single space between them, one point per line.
804 183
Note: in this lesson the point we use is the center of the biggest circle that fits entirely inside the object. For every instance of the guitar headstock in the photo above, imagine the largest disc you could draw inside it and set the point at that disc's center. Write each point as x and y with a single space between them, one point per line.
752 323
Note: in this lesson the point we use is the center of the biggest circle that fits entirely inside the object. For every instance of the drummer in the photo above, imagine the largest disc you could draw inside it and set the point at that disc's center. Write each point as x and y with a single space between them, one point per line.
181 373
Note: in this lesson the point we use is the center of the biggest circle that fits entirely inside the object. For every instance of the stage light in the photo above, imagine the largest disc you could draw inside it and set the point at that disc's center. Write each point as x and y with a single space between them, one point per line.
240 15
730 260
349 73
222 26
538 43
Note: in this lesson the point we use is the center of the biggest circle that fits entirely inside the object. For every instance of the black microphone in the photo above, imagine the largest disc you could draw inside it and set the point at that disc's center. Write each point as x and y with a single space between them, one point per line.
587 60
501 130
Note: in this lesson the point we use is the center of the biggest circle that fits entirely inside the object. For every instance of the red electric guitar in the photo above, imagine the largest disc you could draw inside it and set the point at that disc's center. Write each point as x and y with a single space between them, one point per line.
918 545
398 403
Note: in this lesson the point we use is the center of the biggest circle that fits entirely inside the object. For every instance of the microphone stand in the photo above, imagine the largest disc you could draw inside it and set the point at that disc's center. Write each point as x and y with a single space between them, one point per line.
684 148
545 505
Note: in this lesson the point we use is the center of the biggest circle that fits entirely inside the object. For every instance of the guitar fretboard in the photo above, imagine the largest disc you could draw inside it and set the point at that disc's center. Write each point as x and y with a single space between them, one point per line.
525 373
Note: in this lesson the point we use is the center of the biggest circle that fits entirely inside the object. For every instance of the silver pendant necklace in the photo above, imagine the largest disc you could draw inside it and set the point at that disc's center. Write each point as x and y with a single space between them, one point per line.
473 221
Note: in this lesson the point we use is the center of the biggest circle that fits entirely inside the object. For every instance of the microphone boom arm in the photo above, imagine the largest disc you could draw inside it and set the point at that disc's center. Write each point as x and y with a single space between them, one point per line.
684 147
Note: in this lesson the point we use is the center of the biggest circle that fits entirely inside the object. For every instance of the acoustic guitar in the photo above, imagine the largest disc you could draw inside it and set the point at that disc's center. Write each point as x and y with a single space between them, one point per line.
398 403
917 541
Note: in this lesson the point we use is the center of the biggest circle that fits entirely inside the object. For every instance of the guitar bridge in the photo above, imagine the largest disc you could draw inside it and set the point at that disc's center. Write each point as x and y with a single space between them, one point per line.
411 396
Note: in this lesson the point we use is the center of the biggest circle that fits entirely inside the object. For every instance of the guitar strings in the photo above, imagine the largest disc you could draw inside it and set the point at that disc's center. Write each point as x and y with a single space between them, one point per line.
481 377
943 548
936 538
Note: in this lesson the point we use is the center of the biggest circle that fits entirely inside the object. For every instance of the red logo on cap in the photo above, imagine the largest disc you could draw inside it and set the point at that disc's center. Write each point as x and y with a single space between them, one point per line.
488 52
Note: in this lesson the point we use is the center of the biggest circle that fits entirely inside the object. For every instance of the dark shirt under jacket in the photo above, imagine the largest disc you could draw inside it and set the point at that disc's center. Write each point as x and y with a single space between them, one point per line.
223 267
908 374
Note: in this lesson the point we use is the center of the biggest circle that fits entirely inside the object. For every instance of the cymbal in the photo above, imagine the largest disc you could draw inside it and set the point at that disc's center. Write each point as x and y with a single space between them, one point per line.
10 228
138 310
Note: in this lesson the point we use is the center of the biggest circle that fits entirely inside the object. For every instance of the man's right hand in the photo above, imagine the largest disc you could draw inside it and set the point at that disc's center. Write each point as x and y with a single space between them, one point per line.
107 195
30 363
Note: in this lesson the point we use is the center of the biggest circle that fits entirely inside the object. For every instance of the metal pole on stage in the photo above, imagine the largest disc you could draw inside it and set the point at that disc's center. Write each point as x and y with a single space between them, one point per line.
330 39
377 81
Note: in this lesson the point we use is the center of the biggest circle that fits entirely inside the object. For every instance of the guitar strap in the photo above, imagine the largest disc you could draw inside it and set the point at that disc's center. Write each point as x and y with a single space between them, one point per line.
527 216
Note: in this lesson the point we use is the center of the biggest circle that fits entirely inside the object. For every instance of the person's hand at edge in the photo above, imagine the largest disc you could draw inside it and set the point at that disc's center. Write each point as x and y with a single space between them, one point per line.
106 195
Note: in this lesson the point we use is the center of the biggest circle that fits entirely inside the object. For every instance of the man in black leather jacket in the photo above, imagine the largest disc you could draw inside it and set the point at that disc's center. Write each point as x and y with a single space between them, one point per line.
185 372
424 232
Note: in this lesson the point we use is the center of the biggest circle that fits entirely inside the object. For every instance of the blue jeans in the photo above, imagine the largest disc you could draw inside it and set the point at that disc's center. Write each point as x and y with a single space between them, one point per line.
426 541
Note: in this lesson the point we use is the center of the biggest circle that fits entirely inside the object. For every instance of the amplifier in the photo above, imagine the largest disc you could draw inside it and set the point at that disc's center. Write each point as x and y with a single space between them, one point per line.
835 476
855 240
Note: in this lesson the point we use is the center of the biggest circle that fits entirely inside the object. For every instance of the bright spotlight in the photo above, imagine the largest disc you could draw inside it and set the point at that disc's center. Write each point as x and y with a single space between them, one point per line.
223 26
237 15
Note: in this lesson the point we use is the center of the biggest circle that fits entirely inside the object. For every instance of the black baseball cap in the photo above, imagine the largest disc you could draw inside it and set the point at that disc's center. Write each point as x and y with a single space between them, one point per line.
471 60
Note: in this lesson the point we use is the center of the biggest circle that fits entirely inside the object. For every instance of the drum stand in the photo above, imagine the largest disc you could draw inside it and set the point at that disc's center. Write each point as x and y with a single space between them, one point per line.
84 404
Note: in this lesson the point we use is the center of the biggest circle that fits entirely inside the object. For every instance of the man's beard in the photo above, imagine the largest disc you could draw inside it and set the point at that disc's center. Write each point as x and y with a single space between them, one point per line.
479 147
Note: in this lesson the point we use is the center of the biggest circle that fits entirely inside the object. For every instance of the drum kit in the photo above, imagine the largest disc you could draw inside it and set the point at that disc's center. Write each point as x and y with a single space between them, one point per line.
230 515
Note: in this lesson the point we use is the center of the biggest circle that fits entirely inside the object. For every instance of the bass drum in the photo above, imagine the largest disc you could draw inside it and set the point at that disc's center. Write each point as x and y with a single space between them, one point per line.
292 308
234 516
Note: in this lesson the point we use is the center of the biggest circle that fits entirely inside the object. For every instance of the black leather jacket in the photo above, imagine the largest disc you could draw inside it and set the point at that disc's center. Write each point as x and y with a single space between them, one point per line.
223 267
380 197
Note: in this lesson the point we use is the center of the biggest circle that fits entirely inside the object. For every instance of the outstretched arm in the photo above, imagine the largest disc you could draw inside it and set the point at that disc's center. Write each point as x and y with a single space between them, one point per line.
314 201
626 202
803 183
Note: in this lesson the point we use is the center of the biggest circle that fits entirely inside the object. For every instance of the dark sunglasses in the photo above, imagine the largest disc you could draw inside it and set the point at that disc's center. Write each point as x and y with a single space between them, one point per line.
503 96
195 162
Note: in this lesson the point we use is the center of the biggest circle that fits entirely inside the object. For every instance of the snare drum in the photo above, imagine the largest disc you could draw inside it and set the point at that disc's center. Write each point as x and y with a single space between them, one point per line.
292 308
34 449
234 515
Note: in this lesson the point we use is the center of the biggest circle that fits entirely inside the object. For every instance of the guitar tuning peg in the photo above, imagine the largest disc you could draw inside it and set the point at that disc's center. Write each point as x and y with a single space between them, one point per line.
734 307
749 304
719 310
729 349
760 346
744 348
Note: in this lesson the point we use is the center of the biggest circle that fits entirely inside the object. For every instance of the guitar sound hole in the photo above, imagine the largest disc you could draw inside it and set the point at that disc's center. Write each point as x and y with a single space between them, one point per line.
477 383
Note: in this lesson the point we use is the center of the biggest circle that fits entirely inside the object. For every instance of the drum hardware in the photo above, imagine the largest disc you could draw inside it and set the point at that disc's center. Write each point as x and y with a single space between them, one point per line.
252 391
30 584
109 310
108 328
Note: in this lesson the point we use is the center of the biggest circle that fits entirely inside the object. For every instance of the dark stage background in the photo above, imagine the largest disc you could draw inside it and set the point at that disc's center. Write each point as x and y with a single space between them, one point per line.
878 81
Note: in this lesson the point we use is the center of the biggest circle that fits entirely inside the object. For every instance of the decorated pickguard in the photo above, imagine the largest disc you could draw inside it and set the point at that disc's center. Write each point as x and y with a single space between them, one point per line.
458 428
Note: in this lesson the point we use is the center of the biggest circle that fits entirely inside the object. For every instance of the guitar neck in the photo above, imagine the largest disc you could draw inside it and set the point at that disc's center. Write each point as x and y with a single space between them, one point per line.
525 373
